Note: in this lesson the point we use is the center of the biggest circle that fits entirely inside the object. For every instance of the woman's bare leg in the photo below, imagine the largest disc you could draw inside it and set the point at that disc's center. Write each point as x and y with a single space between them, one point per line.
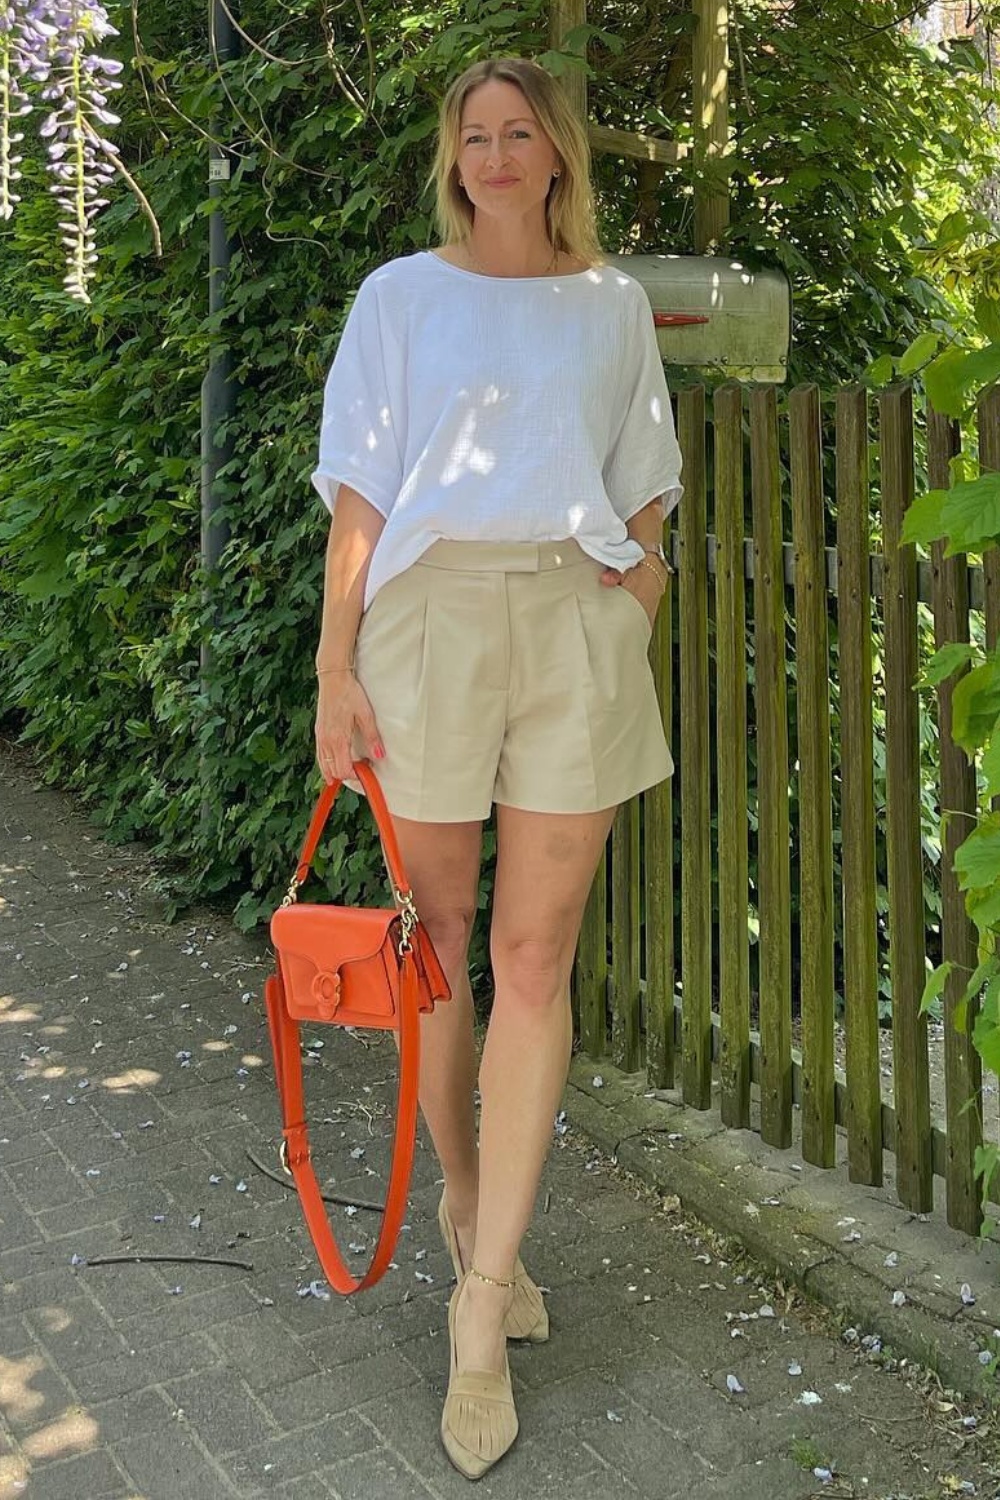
545 867
442 861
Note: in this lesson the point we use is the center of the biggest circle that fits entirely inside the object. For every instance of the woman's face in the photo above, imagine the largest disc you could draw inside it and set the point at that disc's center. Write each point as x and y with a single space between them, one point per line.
505 159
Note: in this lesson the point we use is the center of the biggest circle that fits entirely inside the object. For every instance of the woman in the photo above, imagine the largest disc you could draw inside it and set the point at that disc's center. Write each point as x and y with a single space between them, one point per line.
498 454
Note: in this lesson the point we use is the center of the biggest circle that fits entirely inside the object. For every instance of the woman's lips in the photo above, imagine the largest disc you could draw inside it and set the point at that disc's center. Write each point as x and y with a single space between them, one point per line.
500 181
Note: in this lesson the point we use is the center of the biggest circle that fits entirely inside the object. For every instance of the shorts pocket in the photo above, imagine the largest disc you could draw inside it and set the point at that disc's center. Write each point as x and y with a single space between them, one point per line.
638 606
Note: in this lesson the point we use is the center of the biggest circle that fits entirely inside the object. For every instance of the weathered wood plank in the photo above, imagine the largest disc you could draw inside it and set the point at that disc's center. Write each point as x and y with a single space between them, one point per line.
731 752
636 145
773 875
696 861
591 980
564 17
959 937
857 792
989 459
710 72
659 883
815 778
625 989
914 1181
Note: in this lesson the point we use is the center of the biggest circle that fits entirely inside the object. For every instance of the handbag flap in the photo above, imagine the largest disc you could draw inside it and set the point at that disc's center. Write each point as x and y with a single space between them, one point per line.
330 936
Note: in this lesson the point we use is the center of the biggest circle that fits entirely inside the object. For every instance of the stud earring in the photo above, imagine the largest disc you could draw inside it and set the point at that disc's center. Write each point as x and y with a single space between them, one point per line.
556 171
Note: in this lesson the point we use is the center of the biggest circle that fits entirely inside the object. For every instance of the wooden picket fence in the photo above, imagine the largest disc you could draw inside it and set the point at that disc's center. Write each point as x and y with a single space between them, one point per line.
660 1002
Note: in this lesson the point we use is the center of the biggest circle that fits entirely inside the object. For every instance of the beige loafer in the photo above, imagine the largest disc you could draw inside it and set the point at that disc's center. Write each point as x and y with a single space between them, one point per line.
528 1317
479 1421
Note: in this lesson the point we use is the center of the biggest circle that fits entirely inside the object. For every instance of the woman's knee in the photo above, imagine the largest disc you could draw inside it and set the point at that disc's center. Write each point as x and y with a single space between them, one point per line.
531 969
450 930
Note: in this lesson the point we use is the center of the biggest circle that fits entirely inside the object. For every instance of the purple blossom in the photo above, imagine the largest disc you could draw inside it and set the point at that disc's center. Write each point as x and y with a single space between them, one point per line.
51 46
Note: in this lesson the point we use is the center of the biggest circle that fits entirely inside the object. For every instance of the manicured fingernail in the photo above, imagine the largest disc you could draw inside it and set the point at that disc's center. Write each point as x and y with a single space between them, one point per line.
379 753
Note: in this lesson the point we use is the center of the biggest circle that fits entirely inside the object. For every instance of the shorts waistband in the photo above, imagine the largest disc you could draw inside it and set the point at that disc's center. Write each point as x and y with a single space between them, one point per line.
503 557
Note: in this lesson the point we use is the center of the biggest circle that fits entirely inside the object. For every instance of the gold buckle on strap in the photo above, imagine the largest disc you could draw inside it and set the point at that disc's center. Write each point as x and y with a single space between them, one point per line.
408 920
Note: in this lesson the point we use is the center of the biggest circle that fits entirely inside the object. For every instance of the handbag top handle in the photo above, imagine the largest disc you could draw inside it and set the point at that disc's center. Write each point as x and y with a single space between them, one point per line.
383 819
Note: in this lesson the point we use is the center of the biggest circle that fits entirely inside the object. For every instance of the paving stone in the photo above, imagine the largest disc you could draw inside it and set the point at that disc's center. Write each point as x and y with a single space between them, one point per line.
134 1372
308 1400
73 1332
375 1476
32 1392
173 1464
221 1409
309 1487
43 1181
128 1414
94 1475
264 1353
265 1466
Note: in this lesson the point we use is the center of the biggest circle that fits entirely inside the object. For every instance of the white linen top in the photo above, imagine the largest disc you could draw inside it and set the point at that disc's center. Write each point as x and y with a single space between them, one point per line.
483 408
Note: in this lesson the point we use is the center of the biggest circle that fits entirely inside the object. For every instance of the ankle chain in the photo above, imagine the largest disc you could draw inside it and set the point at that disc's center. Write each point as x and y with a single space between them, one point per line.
490 1280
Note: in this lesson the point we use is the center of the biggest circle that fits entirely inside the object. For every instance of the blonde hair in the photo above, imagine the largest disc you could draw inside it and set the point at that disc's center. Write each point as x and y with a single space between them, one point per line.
569 210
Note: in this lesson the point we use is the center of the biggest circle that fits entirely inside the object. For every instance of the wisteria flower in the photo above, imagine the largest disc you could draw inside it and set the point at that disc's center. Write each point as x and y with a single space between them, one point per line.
52 45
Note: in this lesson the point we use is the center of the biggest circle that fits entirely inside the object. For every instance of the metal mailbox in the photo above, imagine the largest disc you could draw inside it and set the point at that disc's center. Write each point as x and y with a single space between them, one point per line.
716 314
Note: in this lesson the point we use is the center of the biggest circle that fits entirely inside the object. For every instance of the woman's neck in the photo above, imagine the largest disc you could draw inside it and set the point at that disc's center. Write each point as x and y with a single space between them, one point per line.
511 250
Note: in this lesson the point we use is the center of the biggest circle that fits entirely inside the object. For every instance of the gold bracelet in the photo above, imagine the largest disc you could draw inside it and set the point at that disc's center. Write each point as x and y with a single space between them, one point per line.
645 563
326 671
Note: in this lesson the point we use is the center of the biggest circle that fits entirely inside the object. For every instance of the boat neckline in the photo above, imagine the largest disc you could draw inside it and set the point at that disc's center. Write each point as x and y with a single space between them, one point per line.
484 276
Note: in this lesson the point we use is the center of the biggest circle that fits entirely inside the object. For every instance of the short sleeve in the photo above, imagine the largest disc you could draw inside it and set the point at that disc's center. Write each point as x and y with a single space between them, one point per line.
643 459
358 443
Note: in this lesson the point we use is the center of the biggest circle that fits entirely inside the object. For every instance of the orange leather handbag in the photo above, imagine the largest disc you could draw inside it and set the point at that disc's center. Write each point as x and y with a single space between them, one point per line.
350 966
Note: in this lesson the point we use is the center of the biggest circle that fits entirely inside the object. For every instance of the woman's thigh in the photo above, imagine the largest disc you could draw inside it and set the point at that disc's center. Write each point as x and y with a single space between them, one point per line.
545 868
442 863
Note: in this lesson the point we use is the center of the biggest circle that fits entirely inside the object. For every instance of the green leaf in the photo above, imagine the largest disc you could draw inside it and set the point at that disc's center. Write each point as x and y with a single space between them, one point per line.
987 314
984 909
934 986
977 860
946 660
975 705
955 375
879 372
918 353
985 970
971 513
923 522
986 1030
990 763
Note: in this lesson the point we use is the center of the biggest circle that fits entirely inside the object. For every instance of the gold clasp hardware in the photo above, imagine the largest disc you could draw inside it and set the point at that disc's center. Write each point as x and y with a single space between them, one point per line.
292 894
408 920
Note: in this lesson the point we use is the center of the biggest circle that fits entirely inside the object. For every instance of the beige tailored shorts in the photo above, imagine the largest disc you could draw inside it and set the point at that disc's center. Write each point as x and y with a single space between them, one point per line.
507 672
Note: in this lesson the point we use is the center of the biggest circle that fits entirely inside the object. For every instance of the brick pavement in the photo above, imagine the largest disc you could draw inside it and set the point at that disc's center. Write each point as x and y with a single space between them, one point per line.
134 1079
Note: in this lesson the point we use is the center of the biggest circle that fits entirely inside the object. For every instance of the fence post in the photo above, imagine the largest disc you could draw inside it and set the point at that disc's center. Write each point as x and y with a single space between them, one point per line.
959 937
731 751
658 803
857 791
773 876
815 779
914 1177
625 937
696 856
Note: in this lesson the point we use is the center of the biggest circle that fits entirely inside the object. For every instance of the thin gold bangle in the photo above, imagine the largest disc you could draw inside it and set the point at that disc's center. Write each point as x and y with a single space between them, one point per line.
326 671
644 563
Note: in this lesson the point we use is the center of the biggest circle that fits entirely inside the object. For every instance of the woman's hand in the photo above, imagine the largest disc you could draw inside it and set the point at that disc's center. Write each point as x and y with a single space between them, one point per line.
642 582
342 708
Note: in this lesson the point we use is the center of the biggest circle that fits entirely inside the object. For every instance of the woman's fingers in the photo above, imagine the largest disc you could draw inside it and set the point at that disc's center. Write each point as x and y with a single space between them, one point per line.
336 722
